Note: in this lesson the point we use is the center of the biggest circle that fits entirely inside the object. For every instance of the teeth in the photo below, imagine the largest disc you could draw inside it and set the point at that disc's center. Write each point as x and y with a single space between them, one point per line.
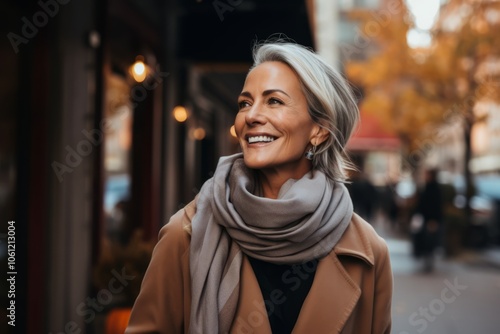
260 139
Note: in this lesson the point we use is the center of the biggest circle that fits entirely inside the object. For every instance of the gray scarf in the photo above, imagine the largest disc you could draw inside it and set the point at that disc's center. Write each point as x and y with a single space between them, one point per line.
305 222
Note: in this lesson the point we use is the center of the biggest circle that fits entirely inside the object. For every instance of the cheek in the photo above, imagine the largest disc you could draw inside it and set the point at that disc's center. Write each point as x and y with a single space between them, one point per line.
239 122
298 129
301 138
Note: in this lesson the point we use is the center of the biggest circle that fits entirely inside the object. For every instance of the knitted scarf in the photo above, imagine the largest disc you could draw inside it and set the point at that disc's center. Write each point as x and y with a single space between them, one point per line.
305 222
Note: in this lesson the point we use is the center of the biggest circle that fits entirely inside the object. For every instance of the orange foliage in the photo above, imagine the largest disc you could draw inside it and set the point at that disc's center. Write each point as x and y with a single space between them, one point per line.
412 89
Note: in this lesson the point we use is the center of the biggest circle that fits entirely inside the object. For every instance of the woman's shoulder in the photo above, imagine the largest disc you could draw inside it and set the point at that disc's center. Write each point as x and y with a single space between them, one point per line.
158 308
178 229
377 243
362 241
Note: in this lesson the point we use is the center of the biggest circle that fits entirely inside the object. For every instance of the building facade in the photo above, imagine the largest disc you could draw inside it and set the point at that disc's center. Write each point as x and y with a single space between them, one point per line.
92 156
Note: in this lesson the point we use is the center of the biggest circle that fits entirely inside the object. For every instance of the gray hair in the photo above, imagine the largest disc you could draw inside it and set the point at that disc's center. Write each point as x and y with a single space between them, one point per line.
331 102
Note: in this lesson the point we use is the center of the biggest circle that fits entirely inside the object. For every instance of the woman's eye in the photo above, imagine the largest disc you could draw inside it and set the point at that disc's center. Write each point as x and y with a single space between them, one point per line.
273 100
243 104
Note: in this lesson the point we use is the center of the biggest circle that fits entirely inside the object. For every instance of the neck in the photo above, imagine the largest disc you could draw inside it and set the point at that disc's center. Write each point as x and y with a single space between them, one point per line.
271 183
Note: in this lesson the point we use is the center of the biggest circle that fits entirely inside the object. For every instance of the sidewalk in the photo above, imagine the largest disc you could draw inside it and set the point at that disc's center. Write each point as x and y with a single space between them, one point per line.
492 256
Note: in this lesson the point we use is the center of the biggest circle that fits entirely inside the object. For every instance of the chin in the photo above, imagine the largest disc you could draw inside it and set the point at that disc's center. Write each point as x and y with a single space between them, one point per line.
254 163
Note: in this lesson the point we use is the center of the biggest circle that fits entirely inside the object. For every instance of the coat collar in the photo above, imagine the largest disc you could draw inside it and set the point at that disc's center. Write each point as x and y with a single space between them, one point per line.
355 243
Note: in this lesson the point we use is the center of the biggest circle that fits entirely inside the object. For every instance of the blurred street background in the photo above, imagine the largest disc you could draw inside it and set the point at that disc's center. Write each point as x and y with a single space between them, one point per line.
459 297
114 113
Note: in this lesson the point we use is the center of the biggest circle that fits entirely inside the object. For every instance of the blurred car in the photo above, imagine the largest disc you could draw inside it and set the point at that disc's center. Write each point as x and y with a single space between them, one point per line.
117 188
486 190
484 227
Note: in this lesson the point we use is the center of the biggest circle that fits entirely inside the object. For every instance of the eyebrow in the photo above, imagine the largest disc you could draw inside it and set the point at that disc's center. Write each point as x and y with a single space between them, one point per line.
264 93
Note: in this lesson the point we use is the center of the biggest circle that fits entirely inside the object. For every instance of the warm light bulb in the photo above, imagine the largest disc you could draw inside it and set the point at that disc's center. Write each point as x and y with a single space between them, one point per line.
139 68
180 114
139 71
199 133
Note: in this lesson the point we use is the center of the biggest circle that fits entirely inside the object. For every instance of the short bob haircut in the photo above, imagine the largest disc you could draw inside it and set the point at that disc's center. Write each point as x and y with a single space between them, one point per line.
330 100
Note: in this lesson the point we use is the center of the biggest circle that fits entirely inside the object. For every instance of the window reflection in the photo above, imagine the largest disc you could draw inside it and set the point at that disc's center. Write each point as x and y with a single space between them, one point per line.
117 145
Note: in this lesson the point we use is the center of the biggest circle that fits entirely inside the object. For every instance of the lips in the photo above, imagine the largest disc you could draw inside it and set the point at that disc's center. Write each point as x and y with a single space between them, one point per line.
260 139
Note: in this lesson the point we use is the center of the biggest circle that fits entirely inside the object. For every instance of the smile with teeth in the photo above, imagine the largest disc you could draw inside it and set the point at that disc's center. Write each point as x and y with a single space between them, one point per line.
257 139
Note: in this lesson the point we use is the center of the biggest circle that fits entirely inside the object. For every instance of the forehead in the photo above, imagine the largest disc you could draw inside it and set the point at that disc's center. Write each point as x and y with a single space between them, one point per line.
273 72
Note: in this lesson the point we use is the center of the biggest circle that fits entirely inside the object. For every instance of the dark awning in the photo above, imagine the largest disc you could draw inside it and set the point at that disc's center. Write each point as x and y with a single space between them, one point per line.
220 32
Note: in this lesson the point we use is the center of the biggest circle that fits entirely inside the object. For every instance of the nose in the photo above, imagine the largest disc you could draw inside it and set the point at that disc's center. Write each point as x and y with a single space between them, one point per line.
255 115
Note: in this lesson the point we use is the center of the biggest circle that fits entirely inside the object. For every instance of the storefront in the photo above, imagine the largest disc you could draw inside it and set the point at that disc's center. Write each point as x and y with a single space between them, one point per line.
93 158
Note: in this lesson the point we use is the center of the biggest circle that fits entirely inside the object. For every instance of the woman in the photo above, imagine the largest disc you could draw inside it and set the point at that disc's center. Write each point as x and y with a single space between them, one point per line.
270 244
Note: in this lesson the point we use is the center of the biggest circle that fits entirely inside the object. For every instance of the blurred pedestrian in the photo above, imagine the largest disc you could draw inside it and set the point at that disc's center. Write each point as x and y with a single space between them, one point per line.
430 208
364 195
271 244
390 205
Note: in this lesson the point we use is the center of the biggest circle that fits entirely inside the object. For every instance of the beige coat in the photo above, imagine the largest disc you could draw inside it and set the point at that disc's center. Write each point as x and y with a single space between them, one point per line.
351 291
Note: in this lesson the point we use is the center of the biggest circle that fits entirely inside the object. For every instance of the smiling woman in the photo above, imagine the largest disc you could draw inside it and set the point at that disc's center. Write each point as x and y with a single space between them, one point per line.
274 127
271 243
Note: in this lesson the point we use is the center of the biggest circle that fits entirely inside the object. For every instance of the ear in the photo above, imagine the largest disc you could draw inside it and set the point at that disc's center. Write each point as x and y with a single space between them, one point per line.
319 135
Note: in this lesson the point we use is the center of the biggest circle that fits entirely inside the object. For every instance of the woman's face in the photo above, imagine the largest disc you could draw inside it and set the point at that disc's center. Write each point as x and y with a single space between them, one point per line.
273 125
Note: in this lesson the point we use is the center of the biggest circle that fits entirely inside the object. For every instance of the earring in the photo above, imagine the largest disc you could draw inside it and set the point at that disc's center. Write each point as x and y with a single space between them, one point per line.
310 152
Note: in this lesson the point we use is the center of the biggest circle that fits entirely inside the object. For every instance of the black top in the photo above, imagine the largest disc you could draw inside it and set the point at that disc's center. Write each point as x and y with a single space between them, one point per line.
284 289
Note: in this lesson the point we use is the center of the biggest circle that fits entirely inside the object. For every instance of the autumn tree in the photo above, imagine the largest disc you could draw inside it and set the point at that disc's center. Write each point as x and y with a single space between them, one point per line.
415 91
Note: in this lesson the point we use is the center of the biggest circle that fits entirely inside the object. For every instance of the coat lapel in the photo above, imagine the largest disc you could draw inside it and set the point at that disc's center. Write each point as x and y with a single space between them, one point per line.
251 315
330 301
334 294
